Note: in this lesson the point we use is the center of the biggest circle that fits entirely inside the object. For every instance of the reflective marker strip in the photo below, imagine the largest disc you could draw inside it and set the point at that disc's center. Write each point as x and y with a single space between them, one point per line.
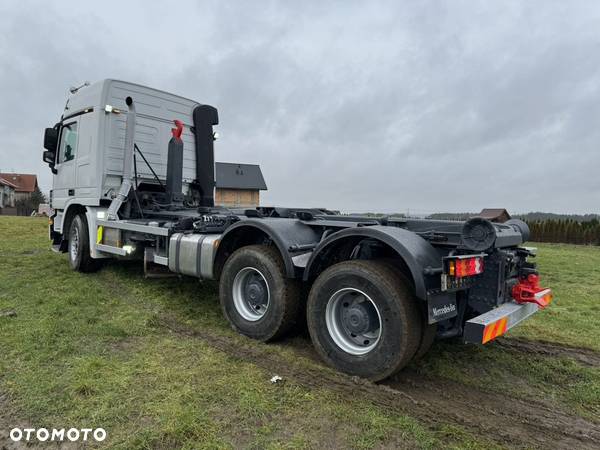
514 313
495 329
99 235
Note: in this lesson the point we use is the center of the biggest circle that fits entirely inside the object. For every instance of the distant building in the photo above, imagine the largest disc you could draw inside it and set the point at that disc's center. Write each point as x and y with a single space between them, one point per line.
238 185
25 184
7 194
499 215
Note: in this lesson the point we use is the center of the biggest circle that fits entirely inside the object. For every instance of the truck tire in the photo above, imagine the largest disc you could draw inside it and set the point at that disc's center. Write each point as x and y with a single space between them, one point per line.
427 339
363 319
256 297
79 246
428 332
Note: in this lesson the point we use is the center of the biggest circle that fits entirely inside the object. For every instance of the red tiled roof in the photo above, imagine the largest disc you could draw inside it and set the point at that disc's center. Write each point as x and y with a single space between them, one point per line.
7 183
23 182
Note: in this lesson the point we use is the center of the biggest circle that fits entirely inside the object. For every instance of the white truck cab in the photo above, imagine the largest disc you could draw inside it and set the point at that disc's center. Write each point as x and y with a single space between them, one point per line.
87 146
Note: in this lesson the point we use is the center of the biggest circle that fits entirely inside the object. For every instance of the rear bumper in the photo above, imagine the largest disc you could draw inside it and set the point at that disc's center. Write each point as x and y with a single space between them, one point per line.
496 322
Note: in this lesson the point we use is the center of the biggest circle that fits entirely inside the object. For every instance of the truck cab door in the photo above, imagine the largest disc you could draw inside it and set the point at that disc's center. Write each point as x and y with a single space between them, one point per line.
65 179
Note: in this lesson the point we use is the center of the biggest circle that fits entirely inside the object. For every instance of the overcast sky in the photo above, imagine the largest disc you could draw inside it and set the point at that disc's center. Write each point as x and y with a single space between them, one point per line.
358 106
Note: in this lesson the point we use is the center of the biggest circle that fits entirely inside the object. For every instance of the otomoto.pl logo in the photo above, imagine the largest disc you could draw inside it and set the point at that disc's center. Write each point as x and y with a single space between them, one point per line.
57 434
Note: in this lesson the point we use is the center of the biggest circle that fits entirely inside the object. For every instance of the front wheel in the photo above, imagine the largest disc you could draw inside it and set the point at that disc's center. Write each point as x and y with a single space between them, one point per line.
363 319
79 246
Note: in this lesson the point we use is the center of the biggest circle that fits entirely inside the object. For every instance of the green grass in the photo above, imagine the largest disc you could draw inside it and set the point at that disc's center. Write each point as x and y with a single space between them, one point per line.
88 350
91 350
573 273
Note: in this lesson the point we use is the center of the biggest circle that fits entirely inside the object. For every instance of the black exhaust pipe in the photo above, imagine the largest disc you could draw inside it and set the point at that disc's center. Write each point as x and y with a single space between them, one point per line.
205 117
175 165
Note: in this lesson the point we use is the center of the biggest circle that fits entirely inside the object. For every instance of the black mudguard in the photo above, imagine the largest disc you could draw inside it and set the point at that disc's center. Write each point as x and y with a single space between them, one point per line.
416 252
286 234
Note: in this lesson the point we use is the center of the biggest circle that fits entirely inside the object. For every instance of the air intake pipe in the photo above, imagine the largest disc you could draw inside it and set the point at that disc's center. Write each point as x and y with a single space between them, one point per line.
175 165
126 183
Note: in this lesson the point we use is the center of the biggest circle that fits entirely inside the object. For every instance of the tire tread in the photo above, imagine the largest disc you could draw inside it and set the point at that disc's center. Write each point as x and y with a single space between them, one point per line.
87 264
291 292
392 281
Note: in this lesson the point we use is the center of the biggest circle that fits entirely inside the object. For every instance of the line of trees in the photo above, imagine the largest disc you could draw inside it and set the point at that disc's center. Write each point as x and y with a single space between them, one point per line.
568 231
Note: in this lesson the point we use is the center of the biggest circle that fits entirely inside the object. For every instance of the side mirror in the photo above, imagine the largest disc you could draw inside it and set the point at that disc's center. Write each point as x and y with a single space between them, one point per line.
49 157
50 140
50 144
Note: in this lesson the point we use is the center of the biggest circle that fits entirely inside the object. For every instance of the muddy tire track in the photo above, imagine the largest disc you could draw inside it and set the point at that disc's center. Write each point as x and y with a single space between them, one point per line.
584 356
508 421
523 422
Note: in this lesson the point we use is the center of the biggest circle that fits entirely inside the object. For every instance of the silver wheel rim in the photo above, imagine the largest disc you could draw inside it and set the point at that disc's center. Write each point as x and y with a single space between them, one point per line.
74 240
251 295
353 321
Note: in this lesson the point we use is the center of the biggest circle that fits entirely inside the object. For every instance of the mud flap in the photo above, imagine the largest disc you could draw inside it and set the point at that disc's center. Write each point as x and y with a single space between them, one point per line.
441 306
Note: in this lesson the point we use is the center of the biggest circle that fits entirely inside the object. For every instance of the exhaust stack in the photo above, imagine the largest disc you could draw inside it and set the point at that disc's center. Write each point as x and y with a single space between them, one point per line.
205 117
126 184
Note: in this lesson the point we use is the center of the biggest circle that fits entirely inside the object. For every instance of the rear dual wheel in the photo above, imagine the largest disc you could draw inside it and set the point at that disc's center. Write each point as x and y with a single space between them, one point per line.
363 319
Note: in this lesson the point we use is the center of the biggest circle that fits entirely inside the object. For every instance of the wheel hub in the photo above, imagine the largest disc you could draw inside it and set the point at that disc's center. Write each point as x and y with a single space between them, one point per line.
256 294
251 294
353 321
357 319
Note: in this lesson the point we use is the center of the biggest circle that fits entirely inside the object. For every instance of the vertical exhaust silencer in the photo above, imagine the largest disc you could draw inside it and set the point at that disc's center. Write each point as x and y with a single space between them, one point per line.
205 117
175 165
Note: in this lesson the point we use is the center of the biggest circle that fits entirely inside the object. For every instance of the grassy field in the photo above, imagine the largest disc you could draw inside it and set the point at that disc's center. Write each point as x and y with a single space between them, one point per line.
155 364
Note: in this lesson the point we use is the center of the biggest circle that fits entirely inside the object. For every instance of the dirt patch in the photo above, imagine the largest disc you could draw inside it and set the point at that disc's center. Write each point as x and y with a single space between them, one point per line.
583 356
508 421
504 418
125 345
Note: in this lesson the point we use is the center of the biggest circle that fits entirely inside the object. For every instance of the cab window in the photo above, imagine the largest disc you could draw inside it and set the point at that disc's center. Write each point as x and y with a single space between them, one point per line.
68 143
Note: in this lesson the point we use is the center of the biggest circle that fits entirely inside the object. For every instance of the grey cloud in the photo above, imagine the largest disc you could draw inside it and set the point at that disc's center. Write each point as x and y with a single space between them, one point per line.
379 106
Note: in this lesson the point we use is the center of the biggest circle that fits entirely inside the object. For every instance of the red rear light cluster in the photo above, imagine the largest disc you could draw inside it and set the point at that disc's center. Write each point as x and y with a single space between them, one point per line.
464 266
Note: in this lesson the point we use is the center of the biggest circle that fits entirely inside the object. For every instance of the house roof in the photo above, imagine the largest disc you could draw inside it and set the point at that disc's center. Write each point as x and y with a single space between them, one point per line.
7 183
494 213
239 176
23 182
